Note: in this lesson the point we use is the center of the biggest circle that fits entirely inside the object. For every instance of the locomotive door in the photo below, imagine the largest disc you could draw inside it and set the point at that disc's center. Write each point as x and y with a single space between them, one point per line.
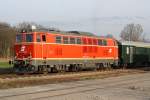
44 48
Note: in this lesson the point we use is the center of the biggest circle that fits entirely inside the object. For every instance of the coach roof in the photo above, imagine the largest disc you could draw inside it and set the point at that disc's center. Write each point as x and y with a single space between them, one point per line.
137 44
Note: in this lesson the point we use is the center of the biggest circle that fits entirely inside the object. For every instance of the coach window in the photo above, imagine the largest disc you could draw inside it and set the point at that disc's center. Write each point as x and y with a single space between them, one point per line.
65 40
38 38
58 39
100 42
72 40
78 40
43 38
29 37
104 42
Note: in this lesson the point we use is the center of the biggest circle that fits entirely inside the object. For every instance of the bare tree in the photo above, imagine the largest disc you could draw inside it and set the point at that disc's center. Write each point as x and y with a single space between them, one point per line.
28 27
25 26
132 32
7 38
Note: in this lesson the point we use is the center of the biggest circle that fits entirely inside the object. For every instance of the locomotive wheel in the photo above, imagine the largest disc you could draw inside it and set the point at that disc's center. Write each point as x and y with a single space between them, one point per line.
61 68
54 69
30 68
101 66
48 69
72 68
109 66
40 69
15 69
98 66
79 67
44 69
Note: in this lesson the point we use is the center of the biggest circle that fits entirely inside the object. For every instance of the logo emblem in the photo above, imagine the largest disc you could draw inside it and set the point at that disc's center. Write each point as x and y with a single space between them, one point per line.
22 48
110 51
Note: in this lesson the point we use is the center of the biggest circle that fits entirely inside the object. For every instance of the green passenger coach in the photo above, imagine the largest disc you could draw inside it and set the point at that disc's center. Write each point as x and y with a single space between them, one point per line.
134 53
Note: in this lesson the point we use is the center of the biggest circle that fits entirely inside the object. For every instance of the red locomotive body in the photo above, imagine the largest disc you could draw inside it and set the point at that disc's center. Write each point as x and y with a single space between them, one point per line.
48 51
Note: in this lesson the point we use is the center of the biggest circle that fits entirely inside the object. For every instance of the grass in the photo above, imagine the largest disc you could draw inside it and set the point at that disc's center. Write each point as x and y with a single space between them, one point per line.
4 64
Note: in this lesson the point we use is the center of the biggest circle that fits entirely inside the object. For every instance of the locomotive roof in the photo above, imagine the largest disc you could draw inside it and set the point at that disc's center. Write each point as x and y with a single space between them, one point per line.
75 33
72 33
137 44
55 31
78 33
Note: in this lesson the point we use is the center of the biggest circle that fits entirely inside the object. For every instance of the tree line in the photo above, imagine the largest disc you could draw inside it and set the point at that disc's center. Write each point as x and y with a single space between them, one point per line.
131 32
7 36
7 39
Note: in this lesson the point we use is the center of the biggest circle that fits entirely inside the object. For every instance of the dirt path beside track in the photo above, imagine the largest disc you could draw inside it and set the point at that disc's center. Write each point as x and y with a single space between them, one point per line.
123 87
9 81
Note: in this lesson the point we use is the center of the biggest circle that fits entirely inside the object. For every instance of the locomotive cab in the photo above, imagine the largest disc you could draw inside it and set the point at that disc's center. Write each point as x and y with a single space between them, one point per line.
23 52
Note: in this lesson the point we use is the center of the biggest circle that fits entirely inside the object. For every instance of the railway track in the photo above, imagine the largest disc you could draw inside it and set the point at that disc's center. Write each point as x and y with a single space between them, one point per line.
80 88
17 76
13 81
14 76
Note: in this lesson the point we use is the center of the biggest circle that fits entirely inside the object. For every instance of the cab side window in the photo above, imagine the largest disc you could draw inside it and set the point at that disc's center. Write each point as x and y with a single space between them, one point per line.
104 42
43 38
100 42
65 40
58 39
72 40
78 40
38 38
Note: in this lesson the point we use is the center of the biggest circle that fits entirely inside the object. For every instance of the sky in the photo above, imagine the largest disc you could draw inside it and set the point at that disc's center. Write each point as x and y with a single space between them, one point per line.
97 16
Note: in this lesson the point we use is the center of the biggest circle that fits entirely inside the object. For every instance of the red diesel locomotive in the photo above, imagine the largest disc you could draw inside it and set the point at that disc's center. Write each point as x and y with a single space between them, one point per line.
38 52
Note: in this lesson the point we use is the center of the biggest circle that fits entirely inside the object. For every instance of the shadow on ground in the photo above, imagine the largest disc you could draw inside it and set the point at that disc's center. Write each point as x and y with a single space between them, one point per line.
5 70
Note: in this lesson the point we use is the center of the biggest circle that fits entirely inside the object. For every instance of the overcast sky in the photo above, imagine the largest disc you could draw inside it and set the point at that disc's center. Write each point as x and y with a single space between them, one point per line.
98 16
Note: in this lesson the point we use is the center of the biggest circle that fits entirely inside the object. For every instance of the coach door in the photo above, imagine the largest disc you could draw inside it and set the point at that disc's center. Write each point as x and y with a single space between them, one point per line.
131 54
44 47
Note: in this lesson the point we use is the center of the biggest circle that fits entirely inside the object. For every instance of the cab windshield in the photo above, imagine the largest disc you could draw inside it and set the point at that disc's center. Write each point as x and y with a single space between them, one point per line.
29 37
24 38
19 38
